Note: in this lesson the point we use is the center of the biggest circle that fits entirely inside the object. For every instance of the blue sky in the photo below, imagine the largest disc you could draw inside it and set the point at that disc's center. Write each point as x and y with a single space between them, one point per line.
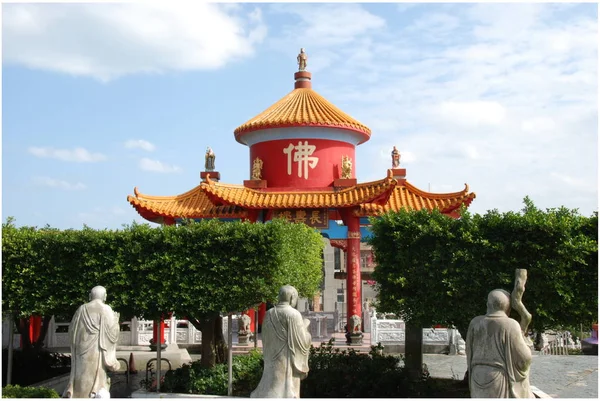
100 98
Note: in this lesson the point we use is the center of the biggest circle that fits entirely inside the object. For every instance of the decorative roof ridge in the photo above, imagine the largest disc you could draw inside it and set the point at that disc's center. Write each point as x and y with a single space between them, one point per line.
140 195
432 195
388 181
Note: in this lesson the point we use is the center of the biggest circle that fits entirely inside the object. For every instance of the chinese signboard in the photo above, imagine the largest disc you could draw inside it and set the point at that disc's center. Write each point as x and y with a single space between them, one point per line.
317 218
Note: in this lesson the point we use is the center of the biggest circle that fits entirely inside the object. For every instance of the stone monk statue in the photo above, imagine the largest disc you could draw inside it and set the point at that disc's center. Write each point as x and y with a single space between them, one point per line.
395 158
209 160
498 358
286 343
94 333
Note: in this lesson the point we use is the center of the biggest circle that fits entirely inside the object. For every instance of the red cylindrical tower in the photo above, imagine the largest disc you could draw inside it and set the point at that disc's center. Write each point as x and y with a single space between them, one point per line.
302 139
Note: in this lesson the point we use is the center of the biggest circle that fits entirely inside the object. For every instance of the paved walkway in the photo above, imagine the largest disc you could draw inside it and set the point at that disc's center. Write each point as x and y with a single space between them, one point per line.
559 376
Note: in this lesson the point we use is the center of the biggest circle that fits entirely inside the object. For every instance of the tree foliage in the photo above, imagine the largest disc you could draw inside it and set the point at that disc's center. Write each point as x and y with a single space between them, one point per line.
197 270
433 269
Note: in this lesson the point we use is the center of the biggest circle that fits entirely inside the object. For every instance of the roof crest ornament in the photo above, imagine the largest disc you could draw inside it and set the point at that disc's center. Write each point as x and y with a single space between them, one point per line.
209 160
302 59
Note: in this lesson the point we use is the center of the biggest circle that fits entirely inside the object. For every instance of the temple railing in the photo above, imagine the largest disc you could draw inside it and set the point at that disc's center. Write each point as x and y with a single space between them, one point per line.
391 333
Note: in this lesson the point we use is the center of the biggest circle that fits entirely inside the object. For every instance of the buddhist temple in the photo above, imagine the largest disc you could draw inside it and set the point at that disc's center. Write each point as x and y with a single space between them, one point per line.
301 167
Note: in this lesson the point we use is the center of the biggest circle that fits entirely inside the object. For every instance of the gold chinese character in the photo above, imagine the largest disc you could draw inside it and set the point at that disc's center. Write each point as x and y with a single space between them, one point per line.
315 218
300 216
286 214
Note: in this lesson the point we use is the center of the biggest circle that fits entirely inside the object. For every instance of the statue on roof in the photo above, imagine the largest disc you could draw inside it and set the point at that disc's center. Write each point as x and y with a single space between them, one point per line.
395 158
346 167
302 58
257 169
209 160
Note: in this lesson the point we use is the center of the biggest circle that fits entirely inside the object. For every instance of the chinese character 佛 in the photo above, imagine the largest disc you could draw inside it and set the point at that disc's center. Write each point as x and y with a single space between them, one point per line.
302 156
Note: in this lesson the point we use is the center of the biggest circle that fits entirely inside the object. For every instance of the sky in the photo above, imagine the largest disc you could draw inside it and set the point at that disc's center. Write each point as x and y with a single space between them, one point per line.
100 98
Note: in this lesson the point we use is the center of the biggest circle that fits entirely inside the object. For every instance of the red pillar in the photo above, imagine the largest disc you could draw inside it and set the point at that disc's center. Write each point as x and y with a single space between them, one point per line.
353 280
158 327
35 328
262 310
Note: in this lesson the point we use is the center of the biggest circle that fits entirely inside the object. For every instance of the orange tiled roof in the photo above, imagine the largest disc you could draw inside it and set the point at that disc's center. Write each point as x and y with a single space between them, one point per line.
302 107
376 192
411 197
192 204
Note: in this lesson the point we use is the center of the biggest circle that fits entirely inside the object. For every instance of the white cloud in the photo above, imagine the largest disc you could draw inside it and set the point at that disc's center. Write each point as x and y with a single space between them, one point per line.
539 124
139 144
577 183
158 166
473 113
331 33
106 41
60 184
80 155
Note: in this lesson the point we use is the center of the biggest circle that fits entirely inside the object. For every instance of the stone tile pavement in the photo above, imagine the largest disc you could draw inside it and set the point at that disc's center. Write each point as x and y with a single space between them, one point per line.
559 376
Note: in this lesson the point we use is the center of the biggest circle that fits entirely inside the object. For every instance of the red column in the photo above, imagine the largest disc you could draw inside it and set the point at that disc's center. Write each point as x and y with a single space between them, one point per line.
158 327
262 310
35 328
353 280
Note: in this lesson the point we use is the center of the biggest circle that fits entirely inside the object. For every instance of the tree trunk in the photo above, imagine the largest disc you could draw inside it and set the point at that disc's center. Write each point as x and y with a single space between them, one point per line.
208 358
414 351
43 333
23 329
220 343
214 345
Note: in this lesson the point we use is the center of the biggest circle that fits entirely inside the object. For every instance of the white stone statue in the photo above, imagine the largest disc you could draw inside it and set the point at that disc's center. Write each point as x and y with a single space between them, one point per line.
245 321
93 333
355 323
286 344
498 358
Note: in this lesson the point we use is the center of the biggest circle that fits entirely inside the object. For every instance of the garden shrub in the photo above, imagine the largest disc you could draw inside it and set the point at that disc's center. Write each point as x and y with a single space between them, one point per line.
196 379
17 391
348 374
333 374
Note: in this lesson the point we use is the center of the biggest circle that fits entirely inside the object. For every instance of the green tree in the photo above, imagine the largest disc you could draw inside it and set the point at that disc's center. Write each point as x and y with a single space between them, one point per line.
433 269
197 270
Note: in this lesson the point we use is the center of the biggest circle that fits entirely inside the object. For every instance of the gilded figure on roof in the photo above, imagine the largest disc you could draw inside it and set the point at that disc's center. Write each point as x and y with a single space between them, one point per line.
257 166
346 167
395 158
209 160
302 59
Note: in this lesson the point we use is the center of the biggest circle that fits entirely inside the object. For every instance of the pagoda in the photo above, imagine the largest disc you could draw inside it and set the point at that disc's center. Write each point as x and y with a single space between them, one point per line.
301 168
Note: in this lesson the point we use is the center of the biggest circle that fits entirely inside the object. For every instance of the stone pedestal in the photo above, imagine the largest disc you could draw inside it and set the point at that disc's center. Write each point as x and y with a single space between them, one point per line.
356 339
344 182
255 184
243 339
214 175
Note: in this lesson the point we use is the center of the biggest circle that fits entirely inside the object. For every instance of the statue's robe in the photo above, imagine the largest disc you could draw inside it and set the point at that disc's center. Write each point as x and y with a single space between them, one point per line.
286 344
94 333
498 358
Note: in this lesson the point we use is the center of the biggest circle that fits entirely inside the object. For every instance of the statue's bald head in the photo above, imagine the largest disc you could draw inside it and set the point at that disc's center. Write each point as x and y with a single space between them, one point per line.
289 294
98 292
498 300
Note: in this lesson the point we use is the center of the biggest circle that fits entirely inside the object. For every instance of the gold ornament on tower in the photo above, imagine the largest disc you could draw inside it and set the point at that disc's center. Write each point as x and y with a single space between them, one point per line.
257 169
302 59
346 167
